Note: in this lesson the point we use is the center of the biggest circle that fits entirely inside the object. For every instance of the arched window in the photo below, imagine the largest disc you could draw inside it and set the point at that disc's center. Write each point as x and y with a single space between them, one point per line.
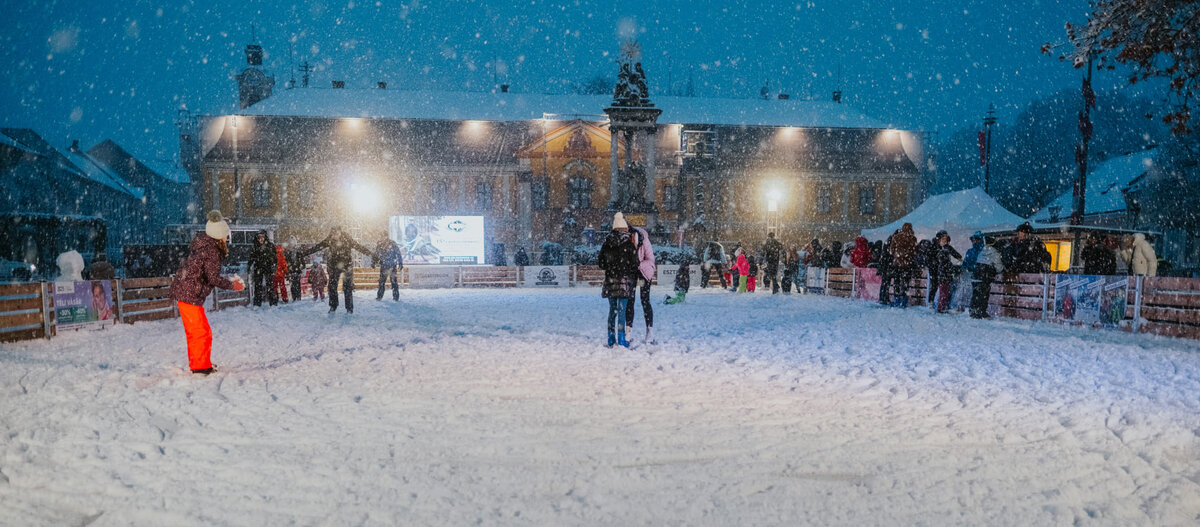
261 192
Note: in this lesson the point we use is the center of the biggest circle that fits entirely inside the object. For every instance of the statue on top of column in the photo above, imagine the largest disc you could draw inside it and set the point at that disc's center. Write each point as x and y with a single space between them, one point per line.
631 90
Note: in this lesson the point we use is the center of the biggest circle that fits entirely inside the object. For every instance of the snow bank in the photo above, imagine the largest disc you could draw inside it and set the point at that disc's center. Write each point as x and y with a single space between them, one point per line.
502 407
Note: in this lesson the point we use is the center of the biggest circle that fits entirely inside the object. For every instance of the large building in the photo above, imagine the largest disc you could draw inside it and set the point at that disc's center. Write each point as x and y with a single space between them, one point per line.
537 167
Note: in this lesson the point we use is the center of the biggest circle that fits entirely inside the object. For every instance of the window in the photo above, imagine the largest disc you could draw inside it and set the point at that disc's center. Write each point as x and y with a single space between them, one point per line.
700 143
866 201
670 197
483 197
824 199
441 194
261 192
579 193
541 193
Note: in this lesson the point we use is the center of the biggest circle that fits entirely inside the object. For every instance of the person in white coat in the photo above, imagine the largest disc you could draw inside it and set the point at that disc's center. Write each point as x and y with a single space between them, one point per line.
1144 261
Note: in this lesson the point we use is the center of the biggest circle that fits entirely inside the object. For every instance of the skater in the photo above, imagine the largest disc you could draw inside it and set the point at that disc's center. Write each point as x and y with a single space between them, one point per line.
752 278
646 272
340 265
281 272
262 269
742 267
317 280
926 258
860 256
983 262
295 265
772 251
714 260
683 281
885 271
1143 261
791 270
1026 254
904 250
200 273
521 259
947 269
390 263
619 261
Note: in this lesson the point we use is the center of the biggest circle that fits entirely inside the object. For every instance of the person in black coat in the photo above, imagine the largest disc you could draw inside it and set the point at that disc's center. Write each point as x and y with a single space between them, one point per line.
263 263
521 259
1098 259
618 259
772 252
390 263
295 264
341 265
1026 254
946 268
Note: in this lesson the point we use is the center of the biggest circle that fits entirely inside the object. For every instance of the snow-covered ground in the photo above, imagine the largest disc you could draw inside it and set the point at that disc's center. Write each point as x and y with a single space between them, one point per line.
503 407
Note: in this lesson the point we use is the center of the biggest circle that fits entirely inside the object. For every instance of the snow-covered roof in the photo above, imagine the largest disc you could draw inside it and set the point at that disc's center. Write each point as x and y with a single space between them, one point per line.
1104 186
167 168
95 171
8 141
958 213
479 106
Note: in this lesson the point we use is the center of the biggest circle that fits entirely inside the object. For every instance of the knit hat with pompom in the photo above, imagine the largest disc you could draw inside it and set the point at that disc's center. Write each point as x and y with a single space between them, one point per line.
216 226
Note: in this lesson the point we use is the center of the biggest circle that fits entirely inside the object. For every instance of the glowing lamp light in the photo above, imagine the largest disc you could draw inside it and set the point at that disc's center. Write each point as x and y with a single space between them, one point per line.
773 198
363 198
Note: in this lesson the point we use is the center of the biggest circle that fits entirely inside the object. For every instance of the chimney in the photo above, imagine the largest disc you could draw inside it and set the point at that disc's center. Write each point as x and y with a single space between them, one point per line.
382 85
837 96
783 96
74 148
338 85
503 88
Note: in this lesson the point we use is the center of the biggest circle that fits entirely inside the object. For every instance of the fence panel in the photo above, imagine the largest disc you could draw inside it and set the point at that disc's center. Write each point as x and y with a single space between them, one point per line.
1171 307
1018 296
839 282
144 299
23 312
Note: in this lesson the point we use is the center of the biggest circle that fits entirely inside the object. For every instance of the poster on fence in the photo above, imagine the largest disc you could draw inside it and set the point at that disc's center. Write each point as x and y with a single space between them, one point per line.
431 277
866 283
667 273
548 276
815 281
1092 300
80 304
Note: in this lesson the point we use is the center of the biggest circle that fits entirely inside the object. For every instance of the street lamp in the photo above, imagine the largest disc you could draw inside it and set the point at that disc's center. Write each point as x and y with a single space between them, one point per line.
237 178
773 198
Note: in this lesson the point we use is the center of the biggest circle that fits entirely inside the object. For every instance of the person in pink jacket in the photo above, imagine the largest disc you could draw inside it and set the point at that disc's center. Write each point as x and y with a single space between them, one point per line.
743 269
646 272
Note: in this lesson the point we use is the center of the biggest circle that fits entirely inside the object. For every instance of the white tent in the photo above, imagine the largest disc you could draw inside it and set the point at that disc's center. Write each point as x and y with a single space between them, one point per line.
958 213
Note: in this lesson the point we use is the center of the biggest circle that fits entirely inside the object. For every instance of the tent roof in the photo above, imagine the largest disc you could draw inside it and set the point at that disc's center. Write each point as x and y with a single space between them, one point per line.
958 213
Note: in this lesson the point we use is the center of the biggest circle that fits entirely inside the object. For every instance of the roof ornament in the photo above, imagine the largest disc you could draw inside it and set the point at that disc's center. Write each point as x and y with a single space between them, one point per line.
631 90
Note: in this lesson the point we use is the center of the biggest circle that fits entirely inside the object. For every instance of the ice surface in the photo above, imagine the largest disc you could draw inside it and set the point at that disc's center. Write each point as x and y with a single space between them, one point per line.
503 407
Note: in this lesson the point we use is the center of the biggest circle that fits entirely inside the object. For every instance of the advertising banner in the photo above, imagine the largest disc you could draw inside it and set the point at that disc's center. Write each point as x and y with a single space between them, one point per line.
815 281
667 273
85 303
432 277
866 283
548 276
434 240
1092 300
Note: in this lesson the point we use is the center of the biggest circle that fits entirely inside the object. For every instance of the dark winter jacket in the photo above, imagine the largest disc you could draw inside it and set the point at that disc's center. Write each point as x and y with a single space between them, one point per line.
752 266
317 277
772 251
946 268
521 259
683 279
201 272
618 259
1029 256
1099 260
904 248
388 255
927 255
101 269
262 256
295 261
972 257
338 256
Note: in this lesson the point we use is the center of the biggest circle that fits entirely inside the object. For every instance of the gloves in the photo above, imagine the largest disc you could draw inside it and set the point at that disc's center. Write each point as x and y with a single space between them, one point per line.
238 284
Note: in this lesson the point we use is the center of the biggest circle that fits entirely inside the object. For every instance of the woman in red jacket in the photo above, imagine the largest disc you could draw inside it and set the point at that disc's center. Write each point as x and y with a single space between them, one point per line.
743 269
861 256
201 272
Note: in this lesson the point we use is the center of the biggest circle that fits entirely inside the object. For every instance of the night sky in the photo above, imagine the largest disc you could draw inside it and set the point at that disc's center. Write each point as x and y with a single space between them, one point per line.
94 70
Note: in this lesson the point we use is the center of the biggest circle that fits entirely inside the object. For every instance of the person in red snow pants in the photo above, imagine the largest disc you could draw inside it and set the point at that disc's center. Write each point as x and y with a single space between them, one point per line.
281 272
195 280
199 336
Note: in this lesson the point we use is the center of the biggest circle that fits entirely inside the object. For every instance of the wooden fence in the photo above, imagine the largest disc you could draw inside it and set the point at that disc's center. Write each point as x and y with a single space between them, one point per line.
27 311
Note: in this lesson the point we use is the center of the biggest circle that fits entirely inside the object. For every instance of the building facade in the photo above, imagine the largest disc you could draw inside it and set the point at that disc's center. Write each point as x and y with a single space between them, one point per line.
537 167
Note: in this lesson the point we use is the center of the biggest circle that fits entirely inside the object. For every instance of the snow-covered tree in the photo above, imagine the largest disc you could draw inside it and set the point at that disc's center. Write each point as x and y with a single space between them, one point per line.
1159 39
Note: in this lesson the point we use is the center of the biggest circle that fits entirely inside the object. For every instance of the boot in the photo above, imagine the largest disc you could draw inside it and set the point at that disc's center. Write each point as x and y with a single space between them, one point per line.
206 371
612 338
650 335
621 340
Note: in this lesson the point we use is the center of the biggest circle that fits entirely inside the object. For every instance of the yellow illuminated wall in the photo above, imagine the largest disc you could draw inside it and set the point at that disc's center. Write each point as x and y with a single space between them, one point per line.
1060 255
